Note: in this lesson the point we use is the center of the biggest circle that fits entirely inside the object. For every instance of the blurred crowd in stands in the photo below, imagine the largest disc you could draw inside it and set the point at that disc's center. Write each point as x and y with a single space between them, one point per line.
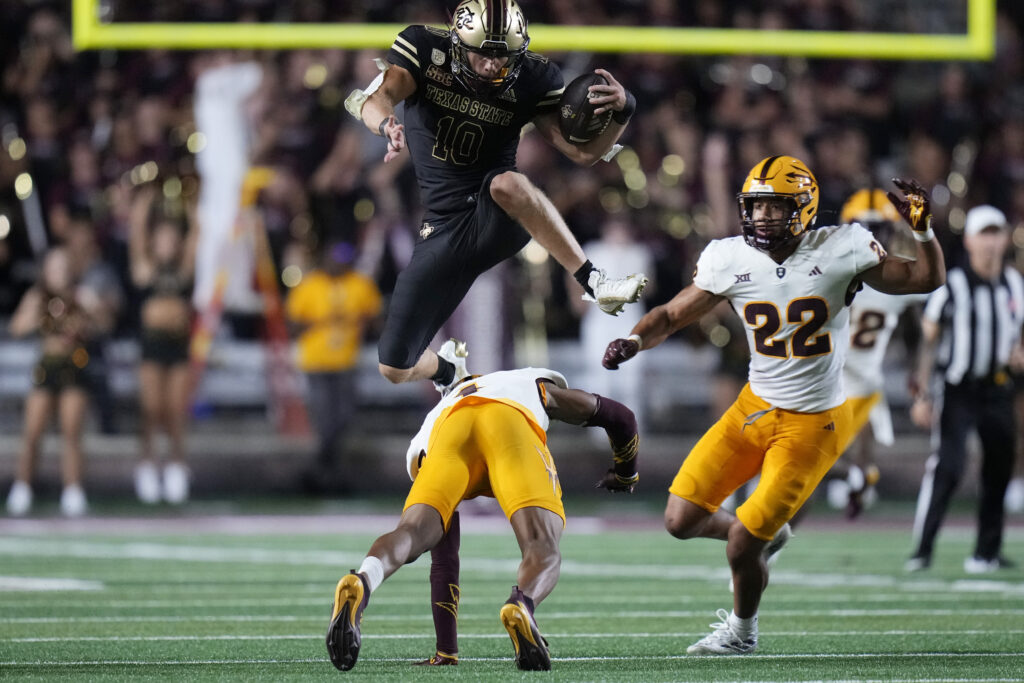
84 132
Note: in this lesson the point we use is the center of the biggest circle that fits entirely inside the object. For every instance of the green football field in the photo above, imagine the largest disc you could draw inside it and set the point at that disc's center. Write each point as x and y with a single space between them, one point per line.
205 597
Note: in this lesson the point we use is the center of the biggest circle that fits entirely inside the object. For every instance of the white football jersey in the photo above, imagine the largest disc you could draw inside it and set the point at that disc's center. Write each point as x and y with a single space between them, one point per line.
517 388
794 312
873 318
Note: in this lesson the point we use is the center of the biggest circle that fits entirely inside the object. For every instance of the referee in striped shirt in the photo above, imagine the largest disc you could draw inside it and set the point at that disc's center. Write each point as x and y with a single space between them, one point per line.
972 330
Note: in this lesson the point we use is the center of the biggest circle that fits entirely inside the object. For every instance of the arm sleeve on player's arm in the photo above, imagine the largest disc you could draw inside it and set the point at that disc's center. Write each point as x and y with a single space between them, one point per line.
619 423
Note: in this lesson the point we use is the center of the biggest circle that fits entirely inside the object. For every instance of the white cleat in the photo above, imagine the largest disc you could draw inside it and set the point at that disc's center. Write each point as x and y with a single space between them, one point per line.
613 295
19 500
780 539
72 501
147 483
176 488
454 351
1014 500
723 640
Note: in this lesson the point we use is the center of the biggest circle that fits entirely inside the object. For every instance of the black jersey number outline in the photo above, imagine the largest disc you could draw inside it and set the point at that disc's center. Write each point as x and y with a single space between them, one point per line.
460 145
766 321
869 324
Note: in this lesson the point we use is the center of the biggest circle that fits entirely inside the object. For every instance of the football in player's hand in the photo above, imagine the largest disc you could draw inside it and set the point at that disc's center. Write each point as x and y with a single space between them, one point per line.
576 119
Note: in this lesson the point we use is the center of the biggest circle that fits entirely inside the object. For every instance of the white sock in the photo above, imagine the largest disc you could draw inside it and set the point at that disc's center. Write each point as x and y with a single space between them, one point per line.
373 570
743 627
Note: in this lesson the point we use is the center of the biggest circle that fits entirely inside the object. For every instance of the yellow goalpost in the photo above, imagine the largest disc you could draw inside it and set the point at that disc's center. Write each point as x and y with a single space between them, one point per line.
978 43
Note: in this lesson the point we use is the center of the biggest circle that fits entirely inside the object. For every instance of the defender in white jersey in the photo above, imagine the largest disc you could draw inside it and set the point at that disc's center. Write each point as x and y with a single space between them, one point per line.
791 286
873 319
487 436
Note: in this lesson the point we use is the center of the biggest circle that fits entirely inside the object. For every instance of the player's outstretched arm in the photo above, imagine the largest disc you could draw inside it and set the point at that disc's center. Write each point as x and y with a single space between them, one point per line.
896 275
378 111
611 96
619 423
686 307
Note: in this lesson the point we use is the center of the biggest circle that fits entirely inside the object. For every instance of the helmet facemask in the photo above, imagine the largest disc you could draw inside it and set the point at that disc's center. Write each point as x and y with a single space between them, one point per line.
777 233
483 85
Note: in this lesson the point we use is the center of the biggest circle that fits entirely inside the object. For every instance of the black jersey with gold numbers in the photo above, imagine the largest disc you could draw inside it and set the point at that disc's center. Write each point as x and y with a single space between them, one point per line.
457 136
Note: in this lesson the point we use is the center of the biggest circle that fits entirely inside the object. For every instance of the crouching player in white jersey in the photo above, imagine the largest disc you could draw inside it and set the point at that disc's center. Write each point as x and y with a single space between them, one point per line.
791 286
873 318
487 436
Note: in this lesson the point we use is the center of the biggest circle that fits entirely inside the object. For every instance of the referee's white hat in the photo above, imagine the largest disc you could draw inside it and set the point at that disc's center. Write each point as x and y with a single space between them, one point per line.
984 216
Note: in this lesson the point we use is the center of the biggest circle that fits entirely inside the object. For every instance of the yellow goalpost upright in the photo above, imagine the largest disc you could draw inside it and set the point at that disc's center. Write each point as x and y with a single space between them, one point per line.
978 43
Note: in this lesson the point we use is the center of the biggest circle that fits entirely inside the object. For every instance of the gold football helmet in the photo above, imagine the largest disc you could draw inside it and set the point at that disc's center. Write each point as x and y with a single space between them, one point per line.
491 28
868 206
778 177
872 209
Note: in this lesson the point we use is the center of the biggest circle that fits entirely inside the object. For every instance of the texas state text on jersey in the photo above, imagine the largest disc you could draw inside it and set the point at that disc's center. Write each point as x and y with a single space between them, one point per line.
794 312
457 136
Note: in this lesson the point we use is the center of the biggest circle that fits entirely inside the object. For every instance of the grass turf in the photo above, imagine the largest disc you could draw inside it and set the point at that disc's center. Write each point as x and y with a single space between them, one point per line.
206 606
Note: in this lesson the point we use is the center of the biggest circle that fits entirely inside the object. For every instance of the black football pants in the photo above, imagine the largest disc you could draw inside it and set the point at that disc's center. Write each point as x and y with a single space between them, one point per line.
988 408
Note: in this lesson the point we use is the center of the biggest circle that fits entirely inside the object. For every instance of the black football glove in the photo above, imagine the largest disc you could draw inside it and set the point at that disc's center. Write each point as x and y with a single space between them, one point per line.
616 484
916 209
619 351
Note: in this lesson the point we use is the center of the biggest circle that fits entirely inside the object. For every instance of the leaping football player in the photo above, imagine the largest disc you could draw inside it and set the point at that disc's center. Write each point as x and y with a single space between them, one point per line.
468 91
791 286
487 436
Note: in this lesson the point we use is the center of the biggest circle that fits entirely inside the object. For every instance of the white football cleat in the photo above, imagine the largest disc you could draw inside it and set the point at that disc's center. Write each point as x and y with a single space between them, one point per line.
1014 500
724 640
454 351
780 539
72 501
147 483
19 500
175 483
613 295
917 563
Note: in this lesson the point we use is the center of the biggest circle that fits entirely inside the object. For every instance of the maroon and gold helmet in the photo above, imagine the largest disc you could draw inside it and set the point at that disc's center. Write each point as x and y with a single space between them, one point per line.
778 177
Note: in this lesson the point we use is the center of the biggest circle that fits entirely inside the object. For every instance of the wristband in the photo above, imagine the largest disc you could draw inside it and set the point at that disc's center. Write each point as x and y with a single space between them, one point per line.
622 117
627 480
380 126
638 339
926 236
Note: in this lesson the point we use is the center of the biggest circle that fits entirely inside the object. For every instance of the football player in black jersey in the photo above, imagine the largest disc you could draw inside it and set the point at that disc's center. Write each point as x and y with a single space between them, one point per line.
468 92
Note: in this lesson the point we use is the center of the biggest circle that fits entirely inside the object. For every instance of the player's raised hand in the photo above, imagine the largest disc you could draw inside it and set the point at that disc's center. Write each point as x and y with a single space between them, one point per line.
916 208
613 483
618 352
392 129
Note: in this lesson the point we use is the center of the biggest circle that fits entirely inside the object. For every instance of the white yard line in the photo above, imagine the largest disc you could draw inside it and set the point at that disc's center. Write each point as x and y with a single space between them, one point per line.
31 547
546 616
501 636
33 584
629 658
323 595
